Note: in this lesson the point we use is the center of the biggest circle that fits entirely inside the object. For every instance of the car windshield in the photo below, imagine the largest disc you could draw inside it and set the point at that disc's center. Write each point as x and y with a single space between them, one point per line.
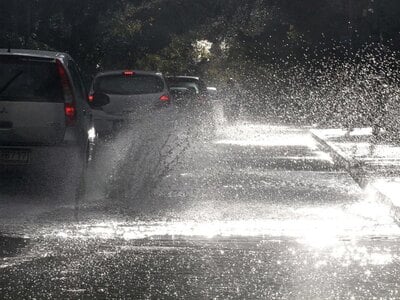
29 80
200 149
129 85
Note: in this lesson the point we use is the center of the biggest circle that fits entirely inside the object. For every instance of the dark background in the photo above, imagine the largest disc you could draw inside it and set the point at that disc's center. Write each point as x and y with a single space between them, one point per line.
284 49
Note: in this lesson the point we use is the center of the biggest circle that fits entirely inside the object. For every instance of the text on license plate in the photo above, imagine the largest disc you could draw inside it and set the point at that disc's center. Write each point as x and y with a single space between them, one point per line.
14 156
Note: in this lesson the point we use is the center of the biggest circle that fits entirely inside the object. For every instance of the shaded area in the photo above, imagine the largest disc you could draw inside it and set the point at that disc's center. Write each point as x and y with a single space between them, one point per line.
11 246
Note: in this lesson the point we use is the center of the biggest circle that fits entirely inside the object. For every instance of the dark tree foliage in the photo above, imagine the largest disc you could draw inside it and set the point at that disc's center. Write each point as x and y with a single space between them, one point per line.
128 33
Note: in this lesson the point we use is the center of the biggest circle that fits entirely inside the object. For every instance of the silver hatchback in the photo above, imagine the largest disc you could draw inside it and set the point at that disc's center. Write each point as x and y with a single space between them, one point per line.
46 123
117 95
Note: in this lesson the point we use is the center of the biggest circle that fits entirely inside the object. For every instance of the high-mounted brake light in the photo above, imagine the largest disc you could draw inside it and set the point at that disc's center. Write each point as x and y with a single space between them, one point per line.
164 98
69 106
128 73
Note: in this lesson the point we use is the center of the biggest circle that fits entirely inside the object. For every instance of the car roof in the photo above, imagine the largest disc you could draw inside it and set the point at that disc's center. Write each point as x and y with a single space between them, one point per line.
119 72
34 53
184 77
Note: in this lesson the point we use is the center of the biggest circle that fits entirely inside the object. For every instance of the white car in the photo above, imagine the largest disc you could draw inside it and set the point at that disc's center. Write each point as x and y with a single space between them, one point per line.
116 95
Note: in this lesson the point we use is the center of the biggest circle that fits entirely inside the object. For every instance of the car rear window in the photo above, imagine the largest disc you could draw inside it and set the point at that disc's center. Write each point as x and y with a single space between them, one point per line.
29 79
129 85
198 85
192 85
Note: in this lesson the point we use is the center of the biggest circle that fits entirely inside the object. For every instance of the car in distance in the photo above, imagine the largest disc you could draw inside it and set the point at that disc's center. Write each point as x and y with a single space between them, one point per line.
192 83
183 96
45 119
116 95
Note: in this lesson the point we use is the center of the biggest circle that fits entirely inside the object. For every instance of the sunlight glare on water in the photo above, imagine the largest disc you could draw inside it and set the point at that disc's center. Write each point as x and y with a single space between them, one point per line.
315 227
262 135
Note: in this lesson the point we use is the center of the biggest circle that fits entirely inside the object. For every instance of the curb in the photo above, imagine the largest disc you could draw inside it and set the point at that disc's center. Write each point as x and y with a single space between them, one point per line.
357 172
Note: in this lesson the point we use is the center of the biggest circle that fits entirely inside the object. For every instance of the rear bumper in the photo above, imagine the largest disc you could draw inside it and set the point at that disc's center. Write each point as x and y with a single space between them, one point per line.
106 123
43 155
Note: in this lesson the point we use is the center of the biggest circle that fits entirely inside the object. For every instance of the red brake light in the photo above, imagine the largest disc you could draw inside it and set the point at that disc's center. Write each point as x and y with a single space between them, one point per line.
70 113
66 85
61 71
90 98
164 98
69 106
128 73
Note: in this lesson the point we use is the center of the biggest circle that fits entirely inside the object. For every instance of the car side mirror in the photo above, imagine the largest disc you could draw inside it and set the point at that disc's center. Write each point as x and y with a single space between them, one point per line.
100 99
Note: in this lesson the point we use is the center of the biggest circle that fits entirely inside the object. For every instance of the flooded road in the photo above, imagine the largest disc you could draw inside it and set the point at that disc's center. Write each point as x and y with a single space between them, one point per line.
183 205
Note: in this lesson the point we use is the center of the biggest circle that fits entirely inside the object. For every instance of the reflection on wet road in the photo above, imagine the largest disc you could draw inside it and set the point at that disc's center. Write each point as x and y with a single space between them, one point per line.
190 207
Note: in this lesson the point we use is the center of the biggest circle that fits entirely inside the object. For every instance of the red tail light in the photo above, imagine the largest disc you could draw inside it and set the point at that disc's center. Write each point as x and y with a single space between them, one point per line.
70 113
69 106
165 98
90 98
128 73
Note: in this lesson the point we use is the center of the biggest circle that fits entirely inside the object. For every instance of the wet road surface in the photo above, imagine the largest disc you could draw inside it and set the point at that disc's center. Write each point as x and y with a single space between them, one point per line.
190 206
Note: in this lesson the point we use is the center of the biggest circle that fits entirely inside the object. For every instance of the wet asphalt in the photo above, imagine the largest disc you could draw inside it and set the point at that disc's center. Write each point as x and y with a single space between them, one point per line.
188 205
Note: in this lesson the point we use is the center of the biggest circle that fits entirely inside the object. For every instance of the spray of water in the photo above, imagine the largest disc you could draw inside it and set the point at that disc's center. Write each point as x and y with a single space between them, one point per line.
345 89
